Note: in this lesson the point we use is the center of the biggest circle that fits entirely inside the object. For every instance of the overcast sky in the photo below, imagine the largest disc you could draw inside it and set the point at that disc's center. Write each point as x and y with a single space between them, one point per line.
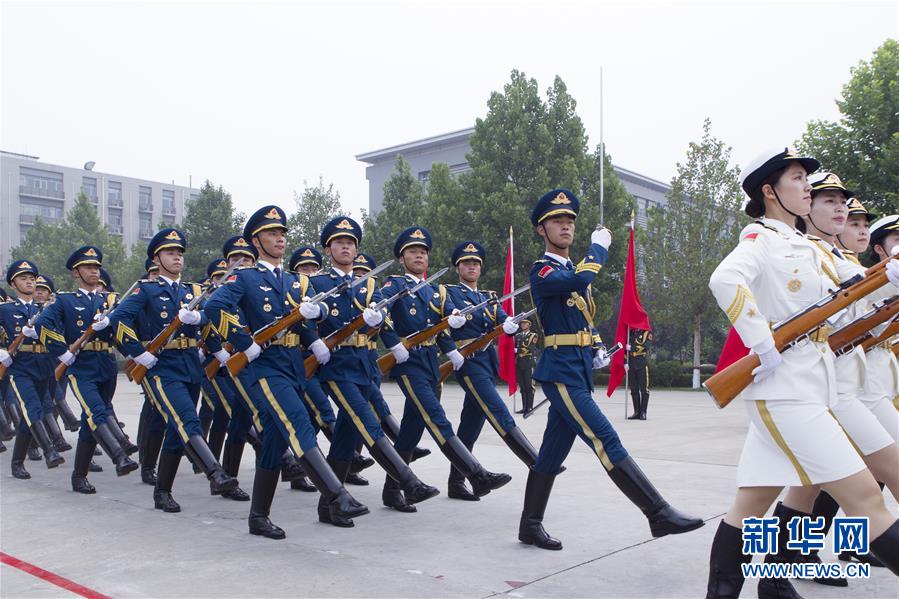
259 97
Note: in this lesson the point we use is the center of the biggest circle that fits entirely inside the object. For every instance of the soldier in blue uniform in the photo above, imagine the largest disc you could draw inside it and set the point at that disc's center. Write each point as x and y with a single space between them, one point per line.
416 370
92 372
28 371
477 377
263 294
347 372
173 377
571 350
151 425
363 264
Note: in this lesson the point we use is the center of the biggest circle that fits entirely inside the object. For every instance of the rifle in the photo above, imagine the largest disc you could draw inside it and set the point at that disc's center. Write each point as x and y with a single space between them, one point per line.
137 371
874 340
341 335
20 338
88 334
388 360
724 386
481 343
530 412
239 360
850 336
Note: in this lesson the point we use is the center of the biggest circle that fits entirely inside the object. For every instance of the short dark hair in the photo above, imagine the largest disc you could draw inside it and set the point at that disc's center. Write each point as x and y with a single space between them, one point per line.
756 206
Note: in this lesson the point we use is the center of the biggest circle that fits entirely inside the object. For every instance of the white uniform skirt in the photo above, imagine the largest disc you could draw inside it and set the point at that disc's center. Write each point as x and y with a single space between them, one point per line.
881 389
794 442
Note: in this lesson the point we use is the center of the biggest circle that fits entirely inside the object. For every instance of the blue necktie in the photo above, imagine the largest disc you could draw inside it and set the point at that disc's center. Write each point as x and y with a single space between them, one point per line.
569 265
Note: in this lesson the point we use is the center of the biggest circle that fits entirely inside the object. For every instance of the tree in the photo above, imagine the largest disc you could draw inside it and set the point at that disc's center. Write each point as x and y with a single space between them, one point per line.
209 220
689 237
315 207
863 147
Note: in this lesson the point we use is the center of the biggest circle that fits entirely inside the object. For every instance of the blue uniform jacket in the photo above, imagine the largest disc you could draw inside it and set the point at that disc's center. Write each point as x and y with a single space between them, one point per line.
565 306
13 316
415 313
63 322
254 296
347 363
477 323
141 316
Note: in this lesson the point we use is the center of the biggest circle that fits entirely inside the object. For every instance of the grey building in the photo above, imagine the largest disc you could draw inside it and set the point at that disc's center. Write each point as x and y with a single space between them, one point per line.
451 148
129 207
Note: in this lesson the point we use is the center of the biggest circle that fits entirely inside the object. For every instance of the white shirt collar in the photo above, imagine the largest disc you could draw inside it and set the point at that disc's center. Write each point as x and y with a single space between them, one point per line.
270 267
414 278
560 259
781 226
168 280
467 287
84 291
340 273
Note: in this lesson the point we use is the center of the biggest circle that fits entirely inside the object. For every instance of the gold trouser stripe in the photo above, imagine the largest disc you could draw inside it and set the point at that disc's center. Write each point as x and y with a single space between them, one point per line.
588 432
207 400
315 412
848 436
12 381
424 413
374 413
243 393
896 402
762 407
356 420
218 391
84 406
484 407
171 409
153 401
291 432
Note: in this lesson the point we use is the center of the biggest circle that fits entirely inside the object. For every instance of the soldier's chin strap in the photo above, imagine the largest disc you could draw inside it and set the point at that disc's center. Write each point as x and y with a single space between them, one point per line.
777 197
814 224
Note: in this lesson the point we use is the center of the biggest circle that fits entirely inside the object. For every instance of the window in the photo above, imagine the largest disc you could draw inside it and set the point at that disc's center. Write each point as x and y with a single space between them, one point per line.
145 195
89 187
146 226
114 222
114 194
168 201
40 183
29 212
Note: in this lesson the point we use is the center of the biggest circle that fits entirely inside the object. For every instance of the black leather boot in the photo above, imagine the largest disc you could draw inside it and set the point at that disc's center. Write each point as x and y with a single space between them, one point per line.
360 463
2 447
340 503
124 442
391 427
536 496
396 465
71 422
825 507
886 548
231 465
290 467
84 452
34 452
264 485
19 451
7 431
106 439
866 558
356 479
725 560
521 446
341 469
216 443
40 434
299 481
663 519
152 444
162 492
200 453
59 442
482 481
205 425
456 488
781 588
95 467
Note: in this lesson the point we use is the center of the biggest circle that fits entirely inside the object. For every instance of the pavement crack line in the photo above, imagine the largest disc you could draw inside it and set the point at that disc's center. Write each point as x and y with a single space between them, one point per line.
589 561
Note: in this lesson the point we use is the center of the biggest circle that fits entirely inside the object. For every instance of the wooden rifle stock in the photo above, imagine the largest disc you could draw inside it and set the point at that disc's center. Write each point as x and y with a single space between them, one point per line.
138 372
86 336
239 360
873 340
475 346
12 349
311 364
724 386
388 360
860 331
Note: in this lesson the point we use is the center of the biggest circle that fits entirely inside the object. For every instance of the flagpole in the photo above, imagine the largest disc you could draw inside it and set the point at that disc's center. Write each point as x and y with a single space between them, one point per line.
627 369
602 160
512 286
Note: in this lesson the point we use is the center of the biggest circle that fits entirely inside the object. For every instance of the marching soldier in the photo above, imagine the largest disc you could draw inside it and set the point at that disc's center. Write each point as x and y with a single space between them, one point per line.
638 372
151 425
416 369
571 350
54 402
346 372
173 377
92 372
477 376
28 371
525 360
856 235
263 294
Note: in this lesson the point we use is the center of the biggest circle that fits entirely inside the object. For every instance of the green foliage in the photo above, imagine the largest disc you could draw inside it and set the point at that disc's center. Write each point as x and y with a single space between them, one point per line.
209 220
863 147
315 207
698 227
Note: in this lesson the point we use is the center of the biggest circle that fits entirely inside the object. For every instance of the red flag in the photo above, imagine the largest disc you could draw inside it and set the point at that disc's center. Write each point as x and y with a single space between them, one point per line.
507 343
732 351
631 316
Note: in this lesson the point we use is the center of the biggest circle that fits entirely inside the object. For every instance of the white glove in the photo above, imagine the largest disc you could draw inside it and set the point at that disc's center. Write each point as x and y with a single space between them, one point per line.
189 316
601 237
201 353
100 323
456 320
400 352
5 358
892 272
601 359
628 347
68 358
147 360
372 317
510 326
770 359
29 332
321 352
253 352
456 358
311 311
222 356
